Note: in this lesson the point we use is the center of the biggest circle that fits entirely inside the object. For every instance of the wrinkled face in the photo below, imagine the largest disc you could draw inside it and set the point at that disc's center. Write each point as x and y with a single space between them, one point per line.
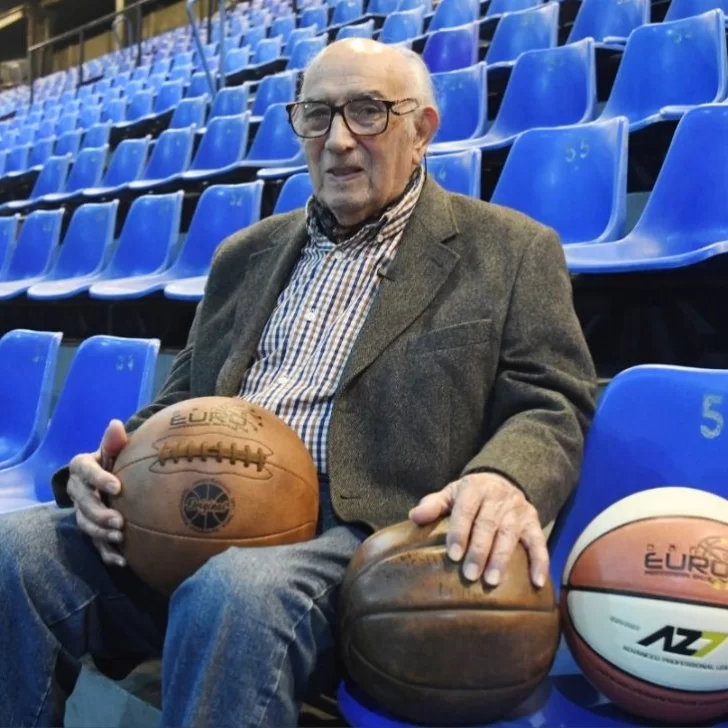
355 175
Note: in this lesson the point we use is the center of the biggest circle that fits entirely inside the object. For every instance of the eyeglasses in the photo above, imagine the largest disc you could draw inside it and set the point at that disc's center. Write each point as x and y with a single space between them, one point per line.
363 117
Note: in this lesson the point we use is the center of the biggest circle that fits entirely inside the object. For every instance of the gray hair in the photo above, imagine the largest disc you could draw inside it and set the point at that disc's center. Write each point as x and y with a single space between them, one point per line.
422 80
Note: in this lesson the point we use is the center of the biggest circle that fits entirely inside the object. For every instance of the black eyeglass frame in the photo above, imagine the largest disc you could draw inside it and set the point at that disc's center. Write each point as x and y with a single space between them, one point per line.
389 106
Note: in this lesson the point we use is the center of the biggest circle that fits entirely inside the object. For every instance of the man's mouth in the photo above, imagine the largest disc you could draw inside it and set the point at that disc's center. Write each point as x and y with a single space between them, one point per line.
344 172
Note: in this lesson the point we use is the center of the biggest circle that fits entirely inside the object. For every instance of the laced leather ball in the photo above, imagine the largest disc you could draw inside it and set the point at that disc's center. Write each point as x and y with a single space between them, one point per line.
206 474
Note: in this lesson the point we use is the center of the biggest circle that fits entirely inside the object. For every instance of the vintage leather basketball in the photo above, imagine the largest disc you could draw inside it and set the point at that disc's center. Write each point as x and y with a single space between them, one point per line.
433 648
206 474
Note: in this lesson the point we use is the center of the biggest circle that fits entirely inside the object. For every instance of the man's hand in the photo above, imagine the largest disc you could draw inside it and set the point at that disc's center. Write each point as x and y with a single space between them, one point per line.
89 477
489 516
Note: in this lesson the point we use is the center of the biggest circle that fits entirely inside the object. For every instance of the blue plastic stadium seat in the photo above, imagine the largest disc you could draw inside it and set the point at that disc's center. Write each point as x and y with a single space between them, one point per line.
278 88
347 11
669 67
27 368
68 143
267 50
402 26
457 172
51 179
382 7
297 35
526 30
462 98
8 232
452 13
358 30
126 165
170 157
230 101
109 378
609 22
498 7
294 194
646 434
236 59
96 136
552 87
283 26
304 52
190 112
146 245
451 48
317 16
573 179
680 9
86 172
32 256
221 211
685 220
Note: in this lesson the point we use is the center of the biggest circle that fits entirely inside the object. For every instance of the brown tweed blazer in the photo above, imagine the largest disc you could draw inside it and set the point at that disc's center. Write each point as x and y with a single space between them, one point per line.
471 358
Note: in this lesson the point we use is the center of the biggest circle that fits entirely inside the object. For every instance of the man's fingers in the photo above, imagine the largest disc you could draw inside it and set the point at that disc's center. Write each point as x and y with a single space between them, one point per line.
97 513
538 555
431 507
91 475
109 555
113 441
483 532
502 548
464 511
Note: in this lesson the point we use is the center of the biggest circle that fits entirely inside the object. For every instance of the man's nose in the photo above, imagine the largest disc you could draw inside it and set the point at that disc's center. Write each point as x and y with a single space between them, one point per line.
339 136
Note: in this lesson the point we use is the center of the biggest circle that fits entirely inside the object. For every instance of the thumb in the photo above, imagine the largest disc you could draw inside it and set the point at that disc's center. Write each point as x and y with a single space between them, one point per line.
112 443
432 507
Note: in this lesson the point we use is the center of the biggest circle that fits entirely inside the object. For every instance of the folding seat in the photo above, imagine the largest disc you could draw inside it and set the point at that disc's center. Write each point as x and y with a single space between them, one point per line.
297 35
222 211
67 122
462 97
525 30
190 112
305 51
16 162
32 256
451 48
283 26
37 156
669 67
114 111
3 159
89 116
146 245
359 30
236 59
230 101
27 367
609 22
552 87
680 9
402 26
499 7
317 16
51 179
8 232
86 172
457 172
267 50
109 378
126 165
645 434
685 220
170 157
294 194
96 136
278 88
573 179
254 35
453 13
382 7
199 85
346 11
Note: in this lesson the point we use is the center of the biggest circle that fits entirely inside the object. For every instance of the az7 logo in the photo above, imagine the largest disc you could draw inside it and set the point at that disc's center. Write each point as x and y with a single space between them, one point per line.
679 641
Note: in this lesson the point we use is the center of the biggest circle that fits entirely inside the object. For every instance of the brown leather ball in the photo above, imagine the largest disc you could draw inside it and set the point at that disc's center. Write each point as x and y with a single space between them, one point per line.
433 648
206 474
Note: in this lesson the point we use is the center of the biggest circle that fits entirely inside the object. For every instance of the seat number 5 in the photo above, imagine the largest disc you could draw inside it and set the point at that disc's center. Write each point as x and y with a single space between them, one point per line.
714 419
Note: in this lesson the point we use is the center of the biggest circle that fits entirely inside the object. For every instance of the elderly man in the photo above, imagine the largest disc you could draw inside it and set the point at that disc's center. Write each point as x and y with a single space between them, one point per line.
424 347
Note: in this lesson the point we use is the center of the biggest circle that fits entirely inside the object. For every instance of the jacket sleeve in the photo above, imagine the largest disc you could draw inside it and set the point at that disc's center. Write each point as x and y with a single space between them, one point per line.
176 388
543 399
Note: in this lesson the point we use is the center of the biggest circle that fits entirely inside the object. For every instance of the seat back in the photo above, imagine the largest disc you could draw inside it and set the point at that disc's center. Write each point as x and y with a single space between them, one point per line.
127 162
141 105
39 153
254 35
462 98
88 169
236 59
169 96
451 48
283 26
223 143
17 159
294 194
680 9
498 7
346 11
221 211
275 138
37 242
360 30
27 367
230 101
268 50
305 51
149 236
299 34
599 20
278 88
686 209
655 426
552 87
68 143
109 378
189 112
681 62
382 7
573 179
526 30
52 177
171 154
451 13
8 232
97 136
317 16
87 241
457 172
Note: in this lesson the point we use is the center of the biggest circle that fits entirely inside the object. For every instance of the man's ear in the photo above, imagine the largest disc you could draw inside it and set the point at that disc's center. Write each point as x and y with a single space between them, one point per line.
426 127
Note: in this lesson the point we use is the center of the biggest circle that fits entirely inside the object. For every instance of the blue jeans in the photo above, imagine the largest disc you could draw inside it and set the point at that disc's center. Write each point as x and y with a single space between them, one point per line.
241 641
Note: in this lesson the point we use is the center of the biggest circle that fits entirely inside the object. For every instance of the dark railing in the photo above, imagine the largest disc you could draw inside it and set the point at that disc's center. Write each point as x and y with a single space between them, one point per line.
133 38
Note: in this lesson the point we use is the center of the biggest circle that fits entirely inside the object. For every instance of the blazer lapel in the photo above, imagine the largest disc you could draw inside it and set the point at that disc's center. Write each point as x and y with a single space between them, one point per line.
265 276
420 267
